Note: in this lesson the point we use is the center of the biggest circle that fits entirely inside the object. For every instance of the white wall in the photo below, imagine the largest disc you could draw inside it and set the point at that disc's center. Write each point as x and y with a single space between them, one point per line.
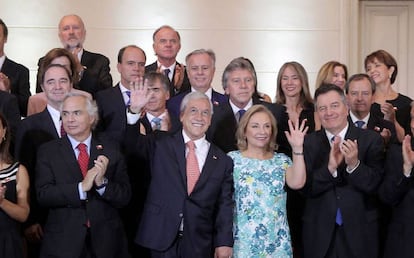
269 32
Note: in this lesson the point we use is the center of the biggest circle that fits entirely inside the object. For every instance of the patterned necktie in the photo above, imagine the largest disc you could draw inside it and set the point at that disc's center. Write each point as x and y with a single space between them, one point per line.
62 130
83 158
167 72
338 217
359 123
241 113
193 171
128 93
157 123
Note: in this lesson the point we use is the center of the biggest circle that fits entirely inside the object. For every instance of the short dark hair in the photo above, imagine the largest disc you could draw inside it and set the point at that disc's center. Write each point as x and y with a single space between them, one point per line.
327 87
42 77
5 30
385 58
122 50
360 77
153 76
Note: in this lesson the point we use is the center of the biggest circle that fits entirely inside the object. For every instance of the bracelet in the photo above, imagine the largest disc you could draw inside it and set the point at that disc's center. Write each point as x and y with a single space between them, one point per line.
297 153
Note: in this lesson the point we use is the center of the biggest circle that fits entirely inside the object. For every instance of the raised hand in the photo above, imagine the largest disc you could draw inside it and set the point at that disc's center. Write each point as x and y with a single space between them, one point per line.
389 111
139 95
296 135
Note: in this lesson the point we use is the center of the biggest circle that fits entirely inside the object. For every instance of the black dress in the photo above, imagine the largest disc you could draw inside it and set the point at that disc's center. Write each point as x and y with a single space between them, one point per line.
295 203
11 245
402 114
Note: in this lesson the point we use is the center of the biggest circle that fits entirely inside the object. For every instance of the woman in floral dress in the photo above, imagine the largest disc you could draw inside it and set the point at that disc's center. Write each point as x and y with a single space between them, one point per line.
260 174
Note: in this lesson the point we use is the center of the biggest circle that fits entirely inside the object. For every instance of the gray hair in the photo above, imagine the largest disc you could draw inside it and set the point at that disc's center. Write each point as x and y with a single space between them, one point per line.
236 64
209 52
193 96
91 106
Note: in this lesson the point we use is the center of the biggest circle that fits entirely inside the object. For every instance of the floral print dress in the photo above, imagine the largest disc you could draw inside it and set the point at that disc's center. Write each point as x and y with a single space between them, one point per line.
260 222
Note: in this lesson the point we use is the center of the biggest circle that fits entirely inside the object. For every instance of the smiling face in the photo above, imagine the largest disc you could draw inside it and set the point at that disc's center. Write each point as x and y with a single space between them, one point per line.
240 87
290 82
258 131
332 111
379 72
56 85
200 71
338 77
196 118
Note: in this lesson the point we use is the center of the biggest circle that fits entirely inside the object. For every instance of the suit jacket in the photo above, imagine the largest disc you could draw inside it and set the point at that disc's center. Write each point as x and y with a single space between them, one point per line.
222 131
398 191
377 124
95 77
34 131
173 104
173 89
207 211
57 177
112 113
10 109
19 83
354 194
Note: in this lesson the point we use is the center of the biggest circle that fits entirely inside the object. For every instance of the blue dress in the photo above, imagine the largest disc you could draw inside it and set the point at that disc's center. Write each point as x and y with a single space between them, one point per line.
260 222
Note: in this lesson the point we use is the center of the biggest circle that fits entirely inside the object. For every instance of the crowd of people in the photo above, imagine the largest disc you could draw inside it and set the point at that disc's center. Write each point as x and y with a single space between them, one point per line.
161 165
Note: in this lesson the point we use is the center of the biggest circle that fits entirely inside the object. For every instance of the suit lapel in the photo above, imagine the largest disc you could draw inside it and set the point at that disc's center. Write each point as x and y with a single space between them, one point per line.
69 157
208 168
179 147
48 125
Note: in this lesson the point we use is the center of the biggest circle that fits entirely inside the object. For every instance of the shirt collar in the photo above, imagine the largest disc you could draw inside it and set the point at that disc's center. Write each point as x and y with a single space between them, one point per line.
209 92
197 142
75 143
341 134
236 108
2 59
354 118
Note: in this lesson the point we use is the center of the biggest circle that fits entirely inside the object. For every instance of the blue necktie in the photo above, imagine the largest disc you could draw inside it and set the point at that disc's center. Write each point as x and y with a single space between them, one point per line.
359 123
241 113
157 123
338 217
128 93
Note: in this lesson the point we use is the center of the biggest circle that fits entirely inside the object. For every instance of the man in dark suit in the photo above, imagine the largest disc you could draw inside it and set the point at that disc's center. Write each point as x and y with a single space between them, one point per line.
113 102
239 83
397 190
186 215
201 65
93 68
166 44
344 169
359 91
82 179
34 131
14 77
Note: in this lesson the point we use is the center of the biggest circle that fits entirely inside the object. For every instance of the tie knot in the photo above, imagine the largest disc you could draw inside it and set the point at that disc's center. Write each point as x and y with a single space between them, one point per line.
166 72
241 113
191 145
128 93
359 123
157 122
81 147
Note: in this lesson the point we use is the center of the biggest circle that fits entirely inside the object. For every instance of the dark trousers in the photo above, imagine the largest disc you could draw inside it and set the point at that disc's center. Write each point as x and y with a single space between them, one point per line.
339 248
175 251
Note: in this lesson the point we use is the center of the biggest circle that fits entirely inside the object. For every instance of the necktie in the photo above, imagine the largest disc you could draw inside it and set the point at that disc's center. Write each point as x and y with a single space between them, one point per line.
62 130
241 113
167 72
128 93
338 217
359 123
157 123
193 171
83 158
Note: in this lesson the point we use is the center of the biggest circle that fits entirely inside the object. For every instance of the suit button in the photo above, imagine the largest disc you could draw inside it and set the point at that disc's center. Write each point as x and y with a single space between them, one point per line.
338 197
180 215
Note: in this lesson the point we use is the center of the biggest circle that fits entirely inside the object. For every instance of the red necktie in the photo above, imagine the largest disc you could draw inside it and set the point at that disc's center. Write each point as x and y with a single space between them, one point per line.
193 171
62 130
83 158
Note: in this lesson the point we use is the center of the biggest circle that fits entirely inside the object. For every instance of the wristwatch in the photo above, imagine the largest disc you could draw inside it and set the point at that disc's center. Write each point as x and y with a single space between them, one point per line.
104 183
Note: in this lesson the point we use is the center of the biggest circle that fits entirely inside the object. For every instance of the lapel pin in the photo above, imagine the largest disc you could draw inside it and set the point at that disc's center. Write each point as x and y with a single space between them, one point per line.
215 103
99 147
376 128
214 157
